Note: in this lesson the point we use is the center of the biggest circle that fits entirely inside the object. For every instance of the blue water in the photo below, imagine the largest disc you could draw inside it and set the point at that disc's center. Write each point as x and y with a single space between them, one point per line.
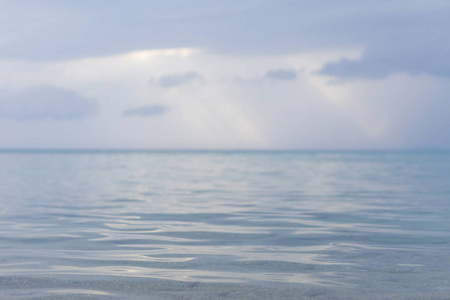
233 225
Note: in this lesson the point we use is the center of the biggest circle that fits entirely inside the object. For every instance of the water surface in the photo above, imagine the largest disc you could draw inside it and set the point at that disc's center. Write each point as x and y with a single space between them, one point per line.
201 225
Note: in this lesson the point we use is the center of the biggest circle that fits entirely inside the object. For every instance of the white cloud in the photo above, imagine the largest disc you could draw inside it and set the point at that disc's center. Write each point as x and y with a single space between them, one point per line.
222 112
42 103
400 111
146 111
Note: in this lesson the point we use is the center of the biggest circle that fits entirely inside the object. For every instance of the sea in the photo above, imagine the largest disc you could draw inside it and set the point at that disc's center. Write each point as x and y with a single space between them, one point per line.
123 224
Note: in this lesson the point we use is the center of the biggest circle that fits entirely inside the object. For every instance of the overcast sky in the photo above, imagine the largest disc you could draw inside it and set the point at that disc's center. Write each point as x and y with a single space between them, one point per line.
225 74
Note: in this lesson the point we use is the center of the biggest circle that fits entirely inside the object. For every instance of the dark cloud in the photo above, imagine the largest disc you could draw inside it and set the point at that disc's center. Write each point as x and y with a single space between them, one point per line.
174 80
410 41
44 102
401 57
146 111
71 29
281 74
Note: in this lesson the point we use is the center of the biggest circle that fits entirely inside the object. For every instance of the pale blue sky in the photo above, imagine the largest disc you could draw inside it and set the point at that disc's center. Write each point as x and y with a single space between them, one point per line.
225 74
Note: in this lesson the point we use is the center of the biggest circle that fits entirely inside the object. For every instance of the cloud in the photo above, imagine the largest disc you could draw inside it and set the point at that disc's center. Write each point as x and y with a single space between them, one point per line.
43 103
399 111
281 74
147 111
175 80
409 39
401 57
67 30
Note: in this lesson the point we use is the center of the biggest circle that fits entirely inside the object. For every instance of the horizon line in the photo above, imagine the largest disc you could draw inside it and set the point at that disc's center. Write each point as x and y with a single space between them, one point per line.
32 149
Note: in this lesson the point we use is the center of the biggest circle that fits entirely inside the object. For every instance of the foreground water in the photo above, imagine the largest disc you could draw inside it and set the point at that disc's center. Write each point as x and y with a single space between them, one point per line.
235 225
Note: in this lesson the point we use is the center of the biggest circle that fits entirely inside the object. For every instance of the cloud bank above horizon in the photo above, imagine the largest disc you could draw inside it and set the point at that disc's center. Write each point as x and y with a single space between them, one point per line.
228 74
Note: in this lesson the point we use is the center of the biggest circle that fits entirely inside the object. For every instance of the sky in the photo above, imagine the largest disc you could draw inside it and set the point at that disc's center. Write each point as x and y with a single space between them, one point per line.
248 74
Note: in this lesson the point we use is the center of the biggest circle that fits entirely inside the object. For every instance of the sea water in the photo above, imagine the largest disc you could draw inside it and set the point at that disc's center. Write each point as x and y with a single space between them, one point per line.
224 224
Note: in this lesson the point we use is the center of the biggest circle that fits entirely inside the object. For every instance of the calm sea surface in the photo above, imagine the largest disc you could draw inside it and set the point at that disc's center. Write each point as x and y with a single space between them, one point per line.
234 225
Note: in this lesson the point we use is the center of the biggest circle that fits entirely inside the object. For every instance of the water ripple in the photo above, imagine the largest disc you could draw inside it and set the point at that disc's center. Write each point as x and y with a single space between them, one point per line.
311 224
